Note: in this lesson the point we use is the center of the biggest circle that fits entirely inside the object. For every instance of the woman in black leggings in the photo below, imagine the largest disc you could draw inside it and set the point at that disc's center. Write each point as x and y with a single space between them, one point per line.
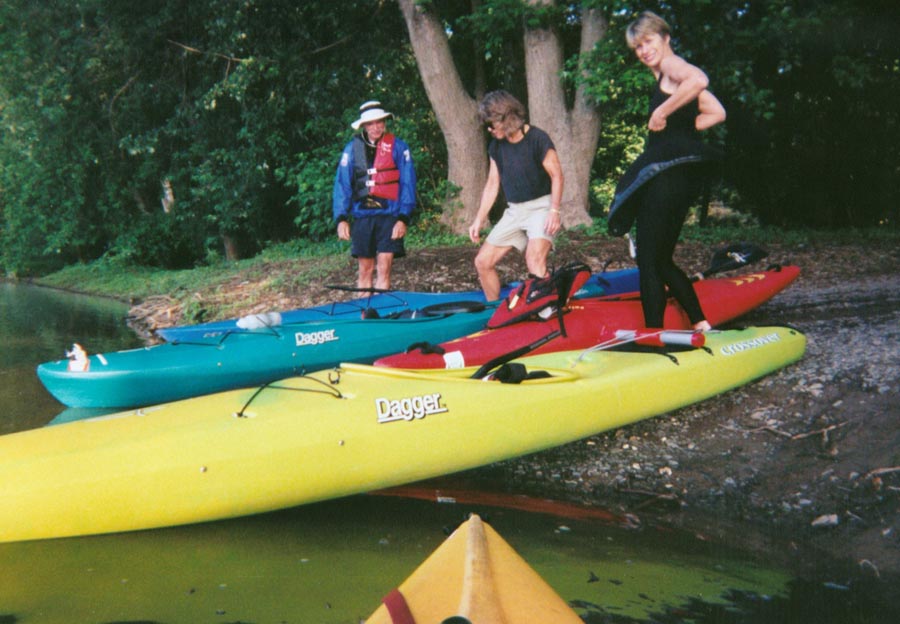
660 186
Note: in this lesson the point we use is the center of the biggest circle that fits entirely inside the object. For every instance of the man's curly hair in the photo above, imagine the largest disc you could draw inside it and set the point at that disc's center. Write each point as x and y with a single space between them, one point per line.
502 110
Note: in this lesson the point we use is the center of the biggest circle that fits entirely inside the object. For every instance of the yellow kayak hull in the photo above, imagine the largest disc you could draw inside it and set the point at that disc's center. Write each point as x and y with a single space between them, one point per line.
341 432
477 575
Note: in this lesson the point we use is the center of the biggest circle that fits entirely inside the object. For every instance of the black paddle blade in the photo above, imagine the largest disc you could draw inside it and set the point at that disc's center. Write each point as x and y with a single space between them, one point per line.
358 289
734 257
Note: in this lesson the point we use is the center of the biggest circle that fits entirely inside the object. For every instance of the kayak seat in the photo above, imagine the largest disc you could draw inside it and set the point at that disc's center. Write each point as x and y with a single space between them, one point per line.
426 348
541 297
452 307
516 373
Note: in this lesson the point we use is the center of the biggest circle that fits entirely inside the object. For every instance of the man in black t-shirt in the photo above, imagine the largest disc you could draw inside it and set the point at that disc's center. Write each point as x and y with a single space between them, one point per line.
524 161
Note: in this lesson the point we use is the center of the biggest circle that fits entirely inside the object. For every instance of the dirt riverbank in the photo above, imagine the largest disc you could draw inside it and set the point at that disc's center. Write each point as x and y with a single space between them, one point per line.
802 467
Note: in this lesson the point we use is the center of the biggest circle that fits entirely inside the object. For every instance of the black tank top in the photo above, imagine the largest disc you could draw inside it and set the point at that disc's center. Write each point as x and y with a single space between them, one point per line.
679 125
679 143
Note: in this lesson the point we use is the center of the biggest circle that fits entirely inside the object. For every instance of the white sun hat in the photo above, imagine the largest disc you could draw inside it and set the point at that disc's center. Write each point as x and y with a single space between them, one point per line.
370 111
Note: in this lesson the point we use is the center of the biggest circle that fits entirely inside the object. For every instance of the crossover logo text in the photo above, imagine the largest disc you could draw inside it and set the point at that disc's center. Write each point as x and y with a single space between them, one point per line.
744 345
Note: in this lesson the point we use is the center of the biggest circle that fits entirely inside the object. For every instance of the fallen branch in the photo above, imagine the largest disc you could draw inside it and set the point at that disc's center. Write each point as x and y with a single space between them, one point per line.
865 563
881 471
756 430
783 434
792 436
192 50
651 497
822 432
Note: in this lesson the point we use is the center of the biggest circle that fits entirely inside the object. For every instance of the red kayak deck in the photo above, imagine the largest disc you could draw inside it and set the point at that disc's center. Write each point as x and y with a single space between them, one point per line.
590 322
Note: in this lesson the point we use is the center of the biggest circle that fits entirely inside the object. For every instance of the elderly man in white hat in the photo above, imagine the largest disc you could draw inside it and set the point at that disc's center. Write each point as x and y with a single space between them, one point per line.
374 196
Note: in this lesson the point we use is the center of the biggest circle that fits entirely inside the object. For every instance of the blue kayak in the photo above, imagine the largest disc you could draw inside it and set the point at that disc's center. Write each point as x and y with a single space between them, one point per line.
381 302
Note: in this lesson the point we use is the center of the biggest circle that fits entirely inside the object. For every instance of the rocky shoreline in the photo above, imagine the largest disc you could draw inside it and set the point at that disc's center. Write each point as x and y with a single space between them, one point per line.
802 467
804 464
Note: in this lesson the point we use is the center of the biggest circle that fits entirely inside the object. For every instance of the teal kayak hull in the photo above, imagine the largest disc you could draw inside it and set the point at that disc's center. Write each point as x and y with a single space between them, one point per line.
172 371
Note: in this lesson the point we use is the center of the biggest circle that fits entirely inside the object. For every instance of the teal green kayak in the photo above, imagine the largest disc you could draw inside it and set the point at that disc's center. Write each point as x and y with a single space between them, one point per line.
172 371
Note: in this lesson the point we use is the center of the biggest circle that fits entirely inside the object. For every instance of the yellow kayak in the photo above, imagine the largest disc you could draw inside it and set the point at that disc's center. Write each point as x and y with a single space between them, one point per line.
474 576
345 431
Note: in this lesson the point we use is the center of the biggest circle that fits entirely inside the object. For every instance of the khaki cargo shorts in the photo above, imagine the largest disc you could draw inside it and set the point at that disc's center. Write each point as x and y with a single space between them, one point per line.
520 223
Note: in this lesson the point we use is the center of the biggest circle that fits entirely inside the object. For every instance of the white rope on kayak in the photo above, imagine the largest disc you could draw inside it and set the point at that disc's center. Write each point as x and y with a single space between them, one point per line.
683 337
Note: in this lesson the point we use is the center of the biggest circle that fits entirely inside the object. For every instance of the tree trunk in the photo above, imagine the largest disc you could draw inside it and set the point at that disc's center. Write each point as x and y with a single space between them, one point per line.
231 246
456 113
575 132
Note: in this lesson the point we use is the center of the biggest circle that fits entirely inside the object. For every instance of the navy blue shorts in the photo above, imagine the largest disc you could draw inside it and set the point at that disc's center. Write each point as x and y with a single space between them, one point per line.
372 235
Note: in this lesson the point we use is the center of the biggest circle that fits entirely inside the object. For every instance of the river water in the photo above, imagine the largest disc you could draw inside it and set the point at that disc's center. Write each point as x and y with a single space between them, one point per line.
333 562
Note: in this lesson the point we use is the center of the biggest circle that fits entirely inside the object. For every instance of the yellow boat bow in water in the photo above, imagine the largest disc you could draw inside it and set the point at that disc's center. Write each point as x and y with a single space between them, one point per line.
345 431
474 576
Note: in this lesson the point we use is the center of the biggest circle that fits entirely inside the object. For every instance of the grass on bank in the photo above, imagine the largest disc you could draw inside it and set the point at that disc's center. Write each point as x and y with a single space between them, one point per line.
299 263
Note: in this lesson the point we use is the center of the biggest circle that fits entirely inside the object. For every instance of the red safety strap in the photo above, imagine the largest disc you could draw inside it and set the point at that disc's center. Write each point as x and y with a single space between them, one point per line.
397 608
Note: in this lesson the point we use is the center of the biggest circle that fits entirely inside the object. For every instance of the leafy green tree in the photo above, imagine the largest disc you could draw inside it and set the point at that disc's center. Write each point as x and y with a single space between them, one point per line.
170 132
49 148
811 136
167 131
820 144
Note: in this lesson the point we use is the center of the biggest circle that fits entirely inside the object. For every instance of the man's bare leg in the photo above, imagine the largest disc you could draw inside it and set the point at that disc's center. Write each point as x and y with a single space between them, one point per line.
385 263
485 264
536 254
366 272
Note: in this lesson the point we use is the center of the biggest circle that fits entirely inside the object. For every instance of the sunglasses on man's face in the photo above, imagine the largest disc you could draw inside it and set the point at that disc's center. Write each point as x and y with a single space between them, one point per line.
492 124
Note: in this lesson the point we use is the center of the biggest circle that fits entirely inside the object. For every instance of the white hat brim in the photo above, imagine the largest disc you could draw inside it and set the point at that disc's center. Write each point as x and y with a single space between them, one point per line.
370 116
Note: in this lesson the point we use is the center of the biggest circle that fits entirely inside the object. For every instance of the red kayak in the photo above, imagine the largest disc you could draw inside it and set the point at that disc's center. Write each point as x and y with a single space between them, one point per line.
588 322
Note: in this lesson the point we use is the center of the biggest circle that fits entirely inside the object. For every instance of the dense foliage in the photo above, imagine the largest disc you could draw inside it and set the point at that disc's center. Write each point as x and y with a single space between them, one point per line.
169 132
238 108
812 135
